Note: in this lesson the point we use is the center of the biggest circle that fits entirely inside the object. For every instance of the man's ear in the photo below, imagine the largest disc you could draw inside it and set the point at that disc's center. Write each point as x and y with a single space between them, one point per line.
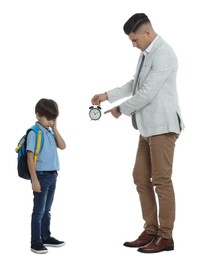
148 31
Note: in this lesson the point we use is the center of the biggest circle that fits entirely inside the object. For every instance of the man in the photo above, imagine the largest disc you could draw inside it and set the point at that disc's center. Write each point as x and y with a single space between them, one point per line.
153 106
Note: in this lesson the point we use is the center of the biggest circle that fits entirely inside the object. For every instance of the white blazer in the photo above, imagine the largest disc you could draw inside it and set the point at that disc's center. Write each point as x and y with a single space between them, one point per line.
154 98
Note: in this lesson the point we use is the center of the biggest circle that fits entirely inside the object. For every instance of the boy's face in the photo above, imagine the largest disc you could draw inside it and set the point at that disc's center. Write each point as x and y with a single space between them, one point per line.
44 121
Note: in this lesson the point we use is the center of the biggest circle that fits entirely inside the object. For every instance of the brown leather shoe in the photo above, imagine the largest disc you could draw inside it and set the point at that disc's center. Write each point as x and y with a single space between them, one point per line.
142 240
158 244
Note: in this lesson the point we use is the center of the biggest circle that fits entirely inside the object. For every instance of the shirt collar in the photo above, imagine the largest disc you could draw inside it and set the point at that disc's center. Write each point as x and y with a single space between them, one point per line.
148 49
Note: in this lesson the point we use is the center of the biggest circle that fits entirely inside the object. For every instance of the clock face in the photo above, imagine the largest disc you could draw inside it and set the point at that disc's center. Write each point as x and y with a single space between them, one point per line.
95 113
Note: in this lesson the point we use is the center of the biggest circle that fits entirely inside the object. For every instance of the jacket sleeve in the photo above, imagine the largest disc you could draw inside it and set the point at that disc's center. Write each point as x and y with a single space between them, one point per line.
120 92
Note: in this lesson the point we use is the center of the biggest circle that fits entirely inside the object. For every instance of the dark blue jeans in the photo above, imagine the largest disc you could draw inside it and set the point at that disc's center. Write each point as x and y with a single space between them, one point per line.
41 216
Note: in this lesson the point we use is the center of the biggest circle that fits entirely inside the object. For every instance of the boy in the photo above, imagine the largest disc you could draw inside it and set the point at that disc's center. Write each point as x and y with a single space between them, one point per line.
44 174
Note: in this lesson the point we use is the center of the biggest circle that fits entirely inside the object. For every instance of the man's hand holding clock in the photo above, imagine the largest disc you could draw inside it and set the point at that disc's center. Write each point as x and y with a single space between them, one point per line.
97 99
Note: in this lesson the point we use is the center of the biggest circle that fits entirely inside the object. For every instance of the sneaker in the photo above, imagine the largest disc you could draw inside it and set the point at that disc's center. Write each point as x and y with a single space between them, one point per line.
39 248
51 241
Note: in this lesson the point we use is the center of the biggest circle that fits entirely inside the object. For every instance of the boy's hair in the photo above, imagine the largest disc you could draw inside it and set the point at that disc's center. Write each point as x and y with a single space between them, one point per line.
48 108
135 22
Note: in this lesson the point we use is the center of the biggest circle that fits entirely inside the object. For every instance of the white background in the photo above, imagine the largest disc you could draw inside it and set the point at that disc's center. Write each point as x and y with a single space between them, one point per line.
69 51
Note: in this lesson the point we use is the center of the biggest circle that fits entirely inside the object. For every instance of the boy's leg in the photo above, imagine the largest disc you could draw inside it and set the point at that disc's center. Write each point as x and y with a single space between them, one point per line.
45 224
40 201
37 215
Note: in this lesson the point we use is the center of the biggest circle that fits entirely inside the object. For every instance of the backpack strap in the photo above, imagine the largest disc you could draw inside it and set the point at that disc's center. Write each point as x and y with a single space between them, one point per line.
39 141
21 142
38 146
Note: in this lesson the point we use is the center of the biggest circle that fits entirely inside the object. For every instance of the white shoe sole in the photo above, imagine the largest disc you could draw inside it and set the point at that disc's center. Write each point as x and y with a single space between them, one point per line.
52 245
39 251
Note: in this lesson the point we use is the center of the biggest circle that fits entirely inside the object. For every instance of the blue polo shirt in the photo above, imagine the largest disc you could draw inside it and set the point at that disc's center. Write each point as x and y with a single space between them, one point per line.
48 157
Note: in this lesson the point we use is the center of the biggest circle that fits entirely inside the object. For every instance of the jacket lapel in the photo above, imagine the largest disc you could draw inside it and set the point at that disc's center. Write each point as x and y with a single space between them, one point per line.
157 44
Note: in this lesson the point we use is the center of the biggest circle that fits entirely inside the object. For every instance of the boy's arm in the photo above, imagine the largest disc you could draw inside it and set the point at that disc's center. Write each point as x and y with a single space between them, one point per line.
30 161
59 140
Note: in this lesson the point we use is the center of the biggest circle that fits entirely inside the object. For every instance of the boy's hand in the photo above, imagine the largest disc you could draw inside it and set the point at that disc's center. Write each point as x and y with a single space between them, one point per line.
54 126
36 186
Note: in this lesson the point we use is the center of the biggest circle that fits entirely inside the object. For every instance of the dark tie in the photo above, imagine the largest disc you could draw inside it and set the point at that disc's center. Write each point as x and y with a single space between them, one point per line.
139 70
137 78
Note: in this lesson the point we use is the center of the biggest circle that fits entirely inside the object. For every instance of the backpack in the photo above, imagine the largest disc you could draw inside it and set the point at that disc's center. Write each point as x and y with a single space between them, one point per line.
22 166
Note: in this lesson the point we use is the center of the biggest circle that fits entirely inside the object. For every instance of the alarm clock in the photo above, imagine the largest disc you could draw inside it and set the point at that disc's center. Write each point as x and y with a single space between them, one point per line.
95 112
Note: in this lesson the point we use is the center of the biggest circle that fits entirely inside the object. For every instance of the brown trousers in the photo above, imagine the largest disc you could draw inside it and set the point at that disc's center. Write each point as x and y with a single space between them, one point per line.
152 176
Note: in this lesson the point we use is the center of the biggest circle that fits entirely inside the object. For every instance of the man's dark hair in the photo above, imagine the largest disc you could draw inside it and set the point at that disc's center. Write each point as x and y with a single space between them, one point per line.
134 22
48 108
